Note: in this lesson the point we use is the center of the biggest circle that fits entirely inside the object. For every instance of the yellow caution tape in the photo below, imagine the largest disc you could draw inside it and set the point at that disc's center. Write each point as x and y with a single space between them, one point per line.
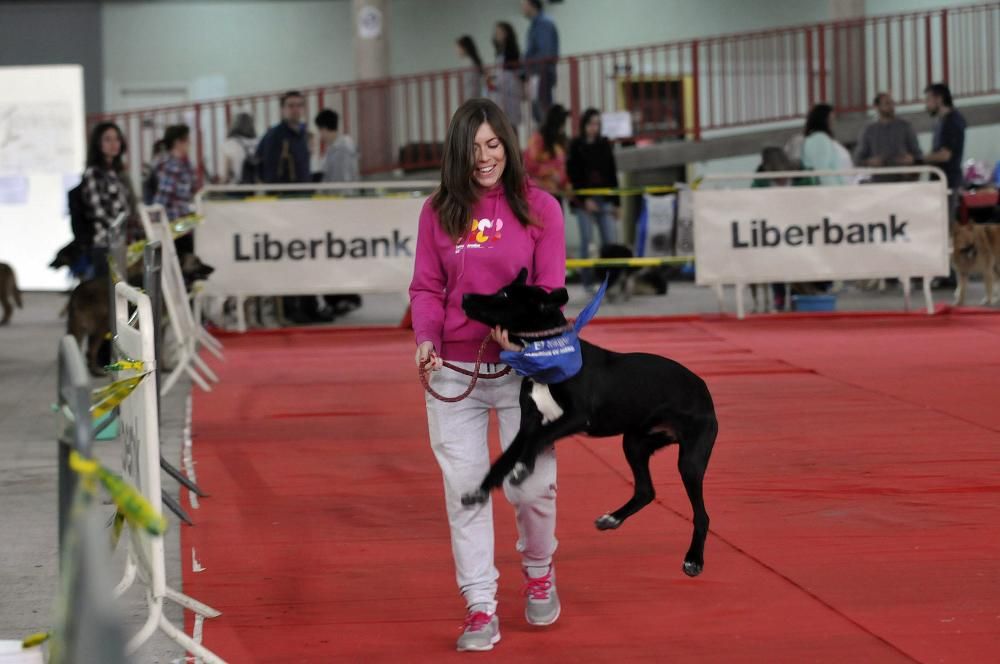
35 640
133 507
634 191
626 191
628 262
107 398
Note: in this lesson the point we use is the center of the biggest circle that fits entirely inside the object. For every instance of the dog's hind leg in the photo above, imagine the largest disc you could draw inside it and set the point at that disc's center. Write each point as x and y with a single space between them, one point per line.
692 462
638 448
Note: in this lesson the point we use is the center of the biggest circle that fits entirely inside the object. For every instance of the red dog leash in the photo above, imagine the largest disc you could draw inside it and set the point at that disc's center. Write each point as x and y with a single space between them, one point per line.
422 372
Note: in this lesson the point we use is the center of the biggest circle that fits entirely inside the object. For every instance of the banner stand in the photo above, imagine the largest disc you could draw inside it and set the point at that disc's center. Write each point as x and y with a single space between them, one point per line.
312 238
786 234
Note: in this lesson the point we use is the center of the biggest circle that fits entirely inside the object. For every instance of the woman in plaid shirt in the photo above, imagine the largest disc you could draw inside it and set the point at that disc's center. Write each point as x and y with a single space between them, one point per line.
107 192
175 176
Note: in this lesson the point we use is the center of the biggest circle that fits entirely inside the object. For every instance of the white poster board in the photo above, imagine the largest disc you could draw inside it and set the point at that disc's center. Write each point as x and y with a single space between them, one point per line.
819 233
305 246
42 155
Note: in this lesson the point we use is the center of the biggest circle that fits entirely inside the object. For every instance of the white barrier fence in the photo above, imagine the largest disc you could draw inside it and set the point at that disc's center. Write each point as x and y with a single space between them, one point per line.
781 234
188 333
141 467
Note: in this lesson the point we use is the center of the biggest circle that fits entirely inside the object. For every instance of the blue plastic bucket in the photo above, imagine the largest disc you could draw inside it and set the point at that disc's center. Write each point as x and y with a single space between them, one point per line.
814 303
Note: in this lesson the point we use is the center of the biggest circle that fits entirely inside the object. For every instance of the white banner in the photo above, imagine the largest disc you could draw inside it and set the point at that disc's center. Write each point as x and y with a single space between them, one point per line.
819 233
306 246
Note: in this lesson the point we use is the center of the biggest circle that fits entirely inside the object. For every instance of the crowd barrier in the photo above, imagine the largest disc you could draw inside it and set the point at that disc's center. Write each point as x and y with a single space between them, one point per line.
189 334
782 234
88 625
141 464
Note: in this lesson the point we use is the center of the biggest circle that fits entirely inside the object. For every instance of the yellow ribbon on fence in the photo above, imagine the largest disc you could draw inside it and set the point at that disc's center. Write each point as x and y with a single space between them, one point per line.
125 364
134 252
104 399
183 225
35 640
131 504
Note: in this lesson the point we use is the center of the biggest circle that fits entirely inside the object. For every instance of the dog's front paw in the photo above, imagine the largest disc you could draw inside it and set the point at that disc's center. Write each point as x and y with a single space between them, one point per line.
473 498
692 568
519 473
607 522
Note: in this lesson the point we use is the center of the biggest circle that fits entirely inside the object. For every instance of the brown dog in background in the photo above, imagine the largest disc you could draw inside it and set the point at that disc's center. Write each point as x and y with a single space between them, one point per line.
9 292
976 250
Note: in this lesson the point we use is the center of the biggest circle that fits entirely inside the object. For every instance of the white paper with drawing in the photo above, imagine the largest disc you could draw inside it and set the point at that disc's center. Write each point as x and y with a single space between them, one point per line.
42 154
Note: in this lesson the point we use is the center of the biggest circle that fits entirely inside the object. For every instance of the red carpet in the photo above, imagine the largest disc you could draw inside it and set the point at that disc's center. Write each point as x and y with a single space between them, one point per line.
854 494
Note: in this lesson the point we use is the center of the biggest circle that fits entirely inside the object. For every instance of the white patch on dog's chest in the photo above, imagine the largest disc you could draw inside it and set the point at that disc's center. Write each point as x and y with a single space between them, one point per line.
545 403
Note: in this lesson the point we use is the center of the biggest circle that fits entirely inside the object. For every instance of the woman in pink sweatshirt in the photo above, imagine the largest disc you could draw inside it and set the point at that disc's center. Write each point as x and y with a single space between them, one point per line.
483 224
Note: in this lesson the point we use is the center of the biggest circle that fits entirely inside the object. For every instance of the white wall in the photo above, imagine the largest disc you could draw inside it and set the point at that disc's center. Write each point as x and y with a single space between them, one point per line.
424 40
208 48
219 48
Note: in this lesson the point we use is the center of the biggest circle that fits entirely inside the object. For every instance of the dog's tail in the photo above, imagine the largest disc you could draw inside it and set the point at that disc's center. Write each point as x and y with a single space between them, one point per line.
15 291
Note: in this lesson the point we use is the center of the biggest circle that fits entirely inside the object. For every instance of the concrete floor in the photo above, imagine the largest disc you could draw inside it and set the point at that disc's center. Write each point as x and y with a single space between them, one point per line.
28 513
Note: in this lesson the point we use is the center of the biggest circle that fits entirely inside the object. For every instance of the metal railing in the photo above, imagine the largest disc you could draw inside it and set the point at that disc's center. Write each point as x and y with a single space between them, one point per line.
676 90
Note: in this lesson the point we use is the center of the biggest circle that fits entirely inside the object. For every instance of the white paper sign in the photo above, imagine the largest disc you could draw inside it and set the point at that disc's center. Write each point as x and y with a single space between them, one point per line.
780 234
616 124
308 246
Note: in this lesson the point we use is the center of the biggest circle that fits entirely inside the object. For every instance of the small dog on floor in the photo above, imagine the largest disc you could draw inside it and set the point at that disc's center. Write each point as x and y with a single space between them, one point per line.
976 250
650 399
10 294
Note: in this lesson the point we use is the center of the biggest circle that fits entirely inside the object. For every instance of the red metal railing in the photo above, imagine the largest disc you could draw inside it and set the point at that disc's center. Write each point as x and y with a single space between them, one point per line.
678 90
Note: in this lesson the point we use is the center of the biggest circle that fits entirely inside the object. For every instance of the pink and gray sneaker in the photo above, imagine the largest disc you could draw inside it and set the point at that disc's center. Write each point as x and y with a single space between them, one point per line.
480 631
542 607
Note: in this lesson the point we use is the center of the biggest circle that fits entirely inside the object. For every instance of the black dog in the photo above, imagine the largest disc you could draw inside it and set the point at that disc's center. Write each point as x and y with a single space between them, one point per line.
653 401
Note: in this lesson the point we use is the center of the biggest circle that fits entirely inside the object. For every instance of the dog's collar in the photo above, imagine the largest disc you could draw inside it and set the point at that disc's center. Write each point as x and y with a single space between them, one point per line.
555 331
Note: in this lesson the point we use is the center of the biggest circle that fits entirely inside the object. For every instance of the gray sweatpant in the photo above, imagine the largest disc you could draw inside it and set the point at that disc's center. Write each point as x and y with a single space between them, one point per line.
458 433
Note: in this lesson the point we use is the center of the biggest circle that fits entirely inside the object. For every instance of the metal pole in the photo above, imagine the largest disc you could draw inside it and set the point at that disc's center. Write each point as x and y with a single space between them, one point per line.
118 264
77 434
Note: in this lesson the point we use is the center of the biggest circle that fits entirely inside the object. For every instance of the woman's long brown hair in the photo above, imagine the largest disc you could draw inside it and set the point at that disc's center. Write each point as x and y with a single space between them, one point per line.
454 199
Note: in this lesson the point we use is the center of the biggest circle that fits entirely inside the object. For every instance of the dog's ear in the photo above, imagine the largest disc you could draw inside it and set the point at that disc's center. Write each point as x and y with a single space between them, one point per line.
557 298
522 277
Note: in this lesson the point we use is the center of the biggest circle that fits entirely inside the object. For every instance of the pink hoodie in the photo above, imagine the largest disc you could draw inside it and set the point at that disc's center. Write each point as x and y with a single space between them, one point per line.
486 259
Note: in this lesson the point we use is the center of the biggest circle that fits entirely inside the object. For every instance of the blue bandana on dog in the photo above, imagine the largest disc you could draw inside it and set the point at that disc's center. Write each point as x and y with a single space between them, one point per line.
555 359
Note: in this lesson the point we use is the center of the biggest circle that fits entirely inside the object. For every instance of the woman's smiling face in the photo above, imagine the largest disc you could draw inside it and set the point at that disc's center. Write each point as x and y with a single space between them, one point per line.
490 157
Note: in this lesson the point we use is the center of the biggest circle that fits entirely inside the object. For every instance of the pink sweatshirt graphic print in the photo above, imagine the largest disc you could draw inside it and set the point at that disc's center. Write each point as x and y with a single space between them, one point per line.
487 257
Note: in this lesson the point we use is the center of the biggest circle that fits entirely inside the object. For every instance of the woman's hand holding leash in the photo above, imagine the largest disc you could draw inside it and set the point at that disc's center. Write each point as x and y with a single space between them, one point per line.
426 355
500 336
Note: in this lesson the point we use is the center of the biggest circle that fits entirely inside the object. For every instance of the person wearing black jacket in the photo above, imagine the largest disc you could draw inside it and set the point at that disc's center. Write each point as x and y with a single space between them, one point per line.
591 164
